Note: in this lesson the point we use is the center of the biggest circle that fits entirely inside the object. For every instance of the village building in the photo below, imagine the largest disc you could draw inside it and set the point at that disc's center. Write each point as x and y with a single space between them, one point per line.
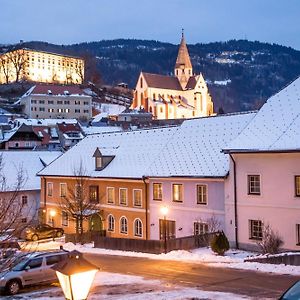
44 101
263 188
184 95
21 191
40 66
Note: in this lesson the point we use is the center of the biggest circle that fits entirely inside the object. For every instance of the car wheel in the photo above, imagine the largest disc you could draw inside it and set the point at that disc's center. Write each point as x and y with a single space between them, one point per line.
35 238
13 287
58 234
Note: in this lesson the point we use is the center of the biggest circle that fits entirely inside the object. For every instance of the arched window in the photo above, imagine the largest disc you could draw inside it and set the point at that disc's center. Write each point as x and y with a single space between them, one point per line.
111 223
124 225
138 228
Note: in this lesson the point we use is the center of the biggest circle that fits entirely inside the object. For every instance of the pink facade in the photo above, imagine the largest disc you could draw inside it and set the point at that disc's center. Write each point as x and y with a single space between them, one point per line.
276 204
187 212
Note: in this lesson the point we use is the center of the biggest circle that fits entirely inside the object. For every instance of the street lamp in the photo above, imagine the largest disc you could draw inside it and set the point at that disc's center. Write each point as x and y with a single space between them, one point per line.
164 210
75 275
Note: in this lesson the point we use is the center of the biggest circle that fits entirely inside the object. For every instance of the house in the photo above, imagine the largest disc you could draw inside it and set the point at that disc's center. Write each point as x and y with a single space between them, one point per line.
21 190
69 134
44 101
189 174
263 188
40 66
184 95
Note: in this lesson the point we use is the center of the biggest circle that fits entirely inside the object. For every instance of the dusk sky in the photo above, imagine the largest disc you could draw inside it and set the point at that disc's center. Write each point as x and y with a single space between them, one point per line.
73 21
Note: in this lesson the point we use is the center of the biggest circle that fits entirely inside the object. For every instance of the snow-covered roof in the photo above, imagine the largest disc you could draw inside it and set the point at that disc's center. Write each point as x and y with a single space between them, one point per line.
276 125
100 129
46 122
133 152
30 162
192 149
195 149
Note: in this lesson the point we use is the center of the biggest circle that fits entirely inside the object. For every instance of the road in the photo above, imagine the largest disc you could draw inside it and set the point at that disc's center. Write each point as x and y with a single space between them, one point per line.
255 284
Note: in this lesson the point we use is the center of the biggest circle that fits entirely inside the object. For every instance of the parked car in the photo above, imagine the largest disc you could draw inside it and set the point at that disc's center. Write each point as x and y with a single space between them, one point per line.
293 293
30 269
43 231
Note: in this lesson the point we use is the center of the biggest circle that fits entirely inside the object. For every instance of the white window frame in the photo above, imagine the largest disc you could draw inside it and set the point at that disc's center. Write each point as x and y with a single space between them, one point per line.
140 235
252 234
48 184
108 223
114 194
133 194
250 191
126 190
60 189
201 229
206 194
123 217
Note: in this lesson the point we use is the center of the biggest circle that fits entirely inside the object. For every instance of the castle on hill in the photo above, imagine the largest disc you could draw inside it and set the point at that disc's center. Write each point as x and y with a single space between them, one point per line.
184 95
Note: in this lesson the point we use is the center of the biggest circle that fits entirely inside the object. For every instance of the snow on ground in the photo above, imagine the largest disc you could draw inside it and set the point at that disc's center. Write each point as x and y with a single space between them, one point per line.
232 259
111 286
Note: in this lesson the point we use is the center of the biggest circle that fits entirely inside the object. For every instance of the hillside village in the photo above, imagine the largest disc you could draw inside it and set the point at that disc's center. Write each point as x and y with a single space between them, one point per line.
153 170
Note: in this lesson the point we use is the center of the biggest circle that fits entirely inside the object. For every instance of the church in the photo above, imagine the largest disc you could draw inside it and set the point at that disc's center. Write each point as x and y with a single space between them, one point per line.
184 95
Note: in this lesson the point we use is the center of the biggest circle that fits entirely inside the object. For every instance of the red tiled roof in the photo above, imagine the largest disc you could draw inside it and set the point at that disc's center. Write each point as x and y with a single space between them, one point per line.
162 82
63 127
57 89
191 84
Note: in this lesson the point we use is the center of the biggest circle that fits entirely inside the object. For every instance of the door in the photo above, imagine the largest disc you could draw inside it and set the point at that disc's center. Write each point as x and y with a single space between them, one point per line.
96 223
169 230
33 271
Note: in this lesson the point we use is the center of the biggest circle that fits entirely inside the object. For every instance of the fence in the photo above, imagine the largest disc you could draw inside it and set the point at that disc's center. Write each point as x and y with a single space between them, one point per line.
286 259
147 246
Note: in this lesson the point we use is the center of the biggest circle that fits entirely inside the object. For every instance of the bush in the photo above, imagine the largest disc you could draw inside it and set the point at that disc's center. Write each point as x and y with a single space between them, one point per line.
271 241
219 243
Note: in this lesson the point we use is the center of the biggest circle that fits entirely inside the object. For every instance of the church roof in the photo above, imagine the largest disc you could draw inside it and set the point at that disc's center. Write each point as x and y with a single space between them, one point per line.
191 84
162 81
183 57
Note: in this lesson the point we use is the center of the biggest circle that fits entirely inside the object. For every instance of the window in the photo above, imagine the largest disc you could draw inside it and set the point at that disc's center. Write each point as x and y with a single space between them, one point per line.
24 199
54 259
123 196
41 101
64 218
63 190
94 193
124 225
78 191
137 198
67 102
50 109
50 189
201 194
141 82
86 103
254 184
138 228
157 191
42 109
98 160
200 228
255 229
77 110
35 263
110 195
24 220
177 192
50 102
86 111
111 223
77 102
297 186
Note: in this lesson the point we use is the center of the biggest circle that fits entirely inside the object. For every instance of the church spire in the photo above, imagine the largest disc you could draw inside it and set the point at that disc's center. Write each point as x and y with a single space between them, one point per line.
183 65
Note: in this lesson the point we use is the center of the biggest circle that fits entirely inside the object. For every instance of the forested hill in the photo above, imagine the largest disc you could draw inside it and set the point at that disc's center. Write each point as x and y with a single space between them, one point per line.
241 74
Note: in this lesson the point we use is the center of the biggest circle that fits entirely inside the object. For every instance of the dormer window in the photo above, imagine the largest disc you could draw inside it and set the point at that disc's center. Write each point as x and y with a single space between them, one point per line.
98 163
101 161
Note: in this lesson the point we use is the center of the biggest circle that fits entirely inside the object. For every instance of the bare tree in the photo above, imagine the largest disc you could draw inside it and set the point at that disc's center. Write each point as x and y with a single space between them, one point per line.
81 200
5 66
18 60
271 241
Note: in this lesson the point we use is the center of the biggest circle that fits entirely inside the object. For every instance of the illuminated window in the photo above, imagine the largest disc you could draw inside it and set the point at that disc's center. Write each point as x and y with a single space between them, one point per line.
177 192
63 190
50 189
124 225
202 194
123 196
110 195
157 191
94 193
137 198
297 186
64 218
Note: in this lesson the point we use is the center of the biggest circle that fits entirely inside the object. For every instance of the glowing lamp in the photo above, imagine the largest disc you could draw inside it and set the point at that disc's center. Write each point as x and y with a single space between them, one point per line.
164 210
52 213
75 275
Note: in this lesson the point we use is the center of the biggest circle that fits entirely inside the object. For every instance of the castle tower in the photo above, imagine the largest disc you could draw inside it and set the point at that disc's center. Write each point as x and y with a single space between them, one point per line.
183 67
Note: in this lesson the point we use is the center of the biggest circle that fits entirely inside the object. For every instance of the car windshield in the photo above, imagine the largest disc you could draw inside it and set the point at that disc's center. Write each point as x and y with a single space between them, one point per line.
293 293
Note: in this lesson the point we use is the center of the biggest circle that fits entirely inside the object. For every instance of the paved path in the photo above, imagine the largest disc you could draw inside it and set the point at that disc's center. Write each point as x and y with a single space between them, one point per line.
255 284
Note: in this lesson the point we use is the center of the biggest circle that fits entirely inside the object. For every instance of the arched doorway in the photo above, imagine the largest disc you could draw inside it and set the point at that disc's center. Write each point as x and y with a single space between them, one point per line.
96 223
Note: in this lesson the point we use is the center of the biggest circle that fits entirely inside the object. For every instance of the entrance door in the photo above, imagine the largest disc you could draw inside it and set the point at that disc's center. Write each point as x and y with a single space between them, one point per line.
170 229
96 223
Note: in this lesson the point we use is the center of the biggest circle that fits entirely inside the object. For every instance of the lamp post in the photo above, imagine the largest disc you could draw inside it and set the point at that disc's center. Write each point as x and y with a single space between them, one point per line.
164 210
75 275
52 214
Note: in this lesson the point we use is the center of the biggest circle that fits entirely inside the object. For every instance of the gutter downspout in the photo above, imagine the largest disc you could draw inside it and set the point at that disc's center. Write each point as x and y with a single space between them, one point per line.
146 204
235 203
45 201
